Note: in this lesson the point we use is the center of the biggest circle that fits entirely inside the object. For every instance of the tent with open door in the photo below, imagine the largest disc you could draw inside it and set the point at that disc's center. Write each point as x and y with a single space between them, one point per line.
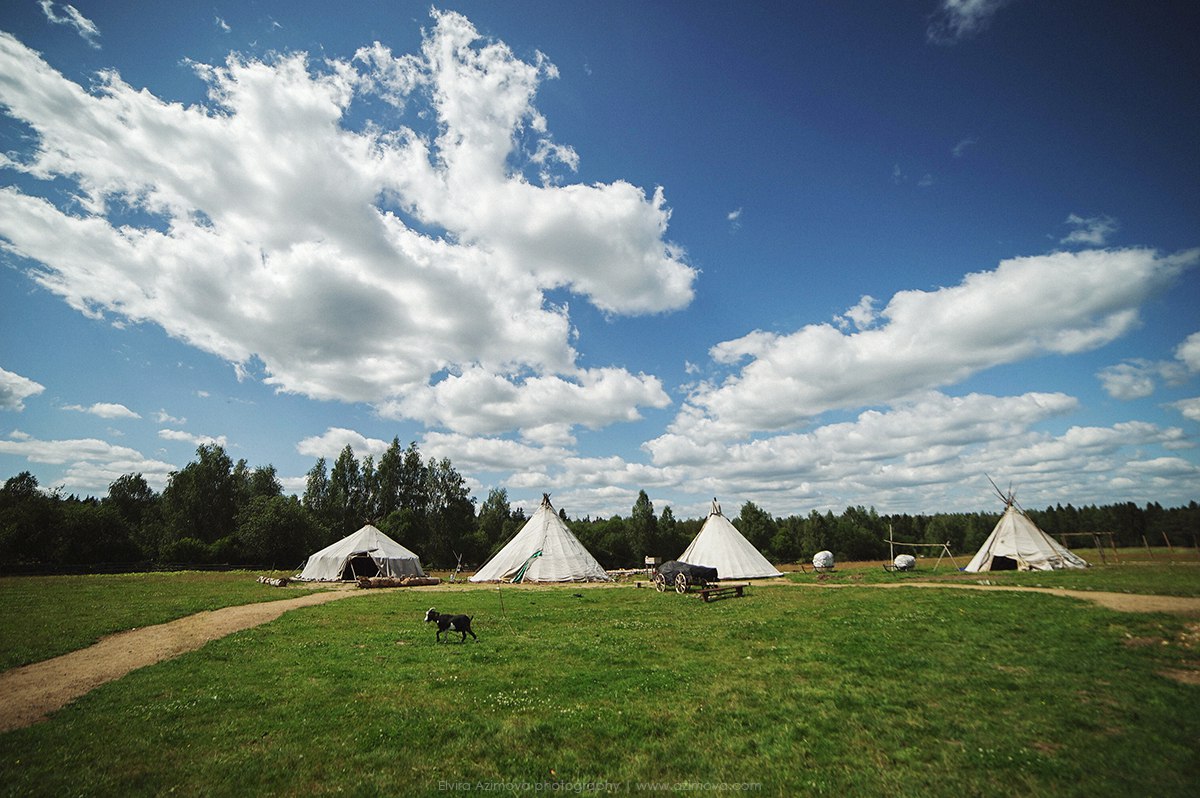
1016 543
544 550
720 545
367 552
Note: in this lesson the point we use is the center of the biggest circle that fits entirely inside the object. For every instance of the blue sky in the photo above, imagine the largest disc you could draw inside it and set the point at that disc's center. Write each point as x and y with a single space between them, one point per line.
810 255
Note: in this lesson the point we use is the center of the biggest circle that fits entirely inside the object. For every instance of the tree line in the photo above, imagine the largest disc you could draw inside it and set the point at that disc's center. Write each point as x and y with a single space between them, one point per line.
216 511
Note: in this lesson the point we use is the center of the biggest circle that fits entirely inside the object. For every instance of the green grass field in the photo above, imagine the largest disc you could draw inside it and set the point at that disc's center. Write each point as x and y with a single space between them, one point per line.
45 616
791 690
1159 572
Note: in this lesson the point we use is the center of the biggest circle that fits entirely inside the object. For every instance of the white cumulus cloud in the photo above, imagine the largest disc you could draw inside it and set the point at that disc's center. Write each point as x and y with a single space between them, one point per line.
929 421
1136 379
1092 231
1061 303
15 389
1190 408
163 417
1128 380
195 440
492 454
357 263
931 451
332 441
91 464
1188 352
104 410
544 408
862 315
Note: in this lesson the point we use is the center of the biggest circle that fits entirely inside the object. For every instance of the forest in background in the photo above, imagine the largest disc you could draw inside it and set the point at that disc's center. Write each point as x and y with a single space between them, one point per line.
215 511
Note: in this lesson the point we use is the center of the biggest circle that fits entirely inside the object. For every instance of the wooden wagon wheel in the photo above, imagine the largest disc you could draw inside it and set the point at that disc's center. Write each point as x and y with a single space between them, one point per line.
681 583
660 583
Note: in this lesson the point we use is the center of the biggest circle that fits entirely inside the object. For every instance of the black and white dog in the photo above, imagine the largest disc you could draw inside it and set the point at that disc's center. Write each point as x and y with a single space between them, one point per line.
453 623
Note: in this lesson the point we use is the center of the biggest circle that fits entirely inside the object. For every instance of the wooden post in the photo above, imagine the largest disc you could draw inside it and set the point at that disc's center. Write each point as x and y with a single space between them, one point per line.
1147 545
1170 548
1099 548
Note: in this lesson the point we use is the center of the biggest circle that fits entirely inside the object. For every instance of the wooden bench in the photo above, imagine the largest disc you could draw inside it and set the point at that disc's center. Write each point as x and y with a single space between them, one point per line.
724 591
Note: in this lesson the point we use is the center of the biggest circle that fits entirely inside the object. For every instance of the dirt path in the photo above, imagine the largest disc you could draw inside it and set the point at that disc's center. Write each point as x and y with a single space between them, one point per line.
34 691
1122 602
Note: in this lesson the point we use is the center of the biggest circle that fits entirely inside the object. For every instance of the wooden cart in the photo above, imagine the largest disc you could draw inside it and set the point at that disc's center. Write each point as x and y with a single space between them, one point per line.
683 576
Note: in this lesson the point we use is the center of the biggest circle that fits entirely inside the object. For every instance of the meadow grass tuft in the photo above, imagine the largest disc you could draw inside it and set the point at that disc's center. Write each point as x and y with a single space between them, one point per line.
793 689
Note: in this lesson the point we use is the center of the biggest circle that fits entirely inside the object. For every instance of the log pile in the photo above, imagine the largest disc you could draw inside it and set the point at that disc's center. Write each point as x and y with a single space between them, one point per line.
273 582
393 581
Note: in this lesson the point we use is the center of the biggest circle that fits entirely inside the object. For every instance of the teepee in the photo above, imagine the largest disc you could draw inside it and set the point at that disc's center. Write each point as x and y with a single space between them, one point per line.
1016 543
719 545
543 551
367 552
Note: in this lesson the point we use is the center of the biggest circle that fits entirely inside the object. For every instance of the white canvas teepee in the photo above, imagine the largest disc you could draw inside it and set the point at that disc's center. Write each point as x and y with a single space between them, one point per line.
543 551
719 545
1017 544
367 552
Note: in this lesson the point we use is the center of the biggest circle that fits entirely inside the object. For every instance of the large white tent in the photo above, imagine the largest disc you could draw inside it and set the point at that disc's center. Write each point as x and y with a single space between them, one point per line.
367 552
720 545
1016 543
544 550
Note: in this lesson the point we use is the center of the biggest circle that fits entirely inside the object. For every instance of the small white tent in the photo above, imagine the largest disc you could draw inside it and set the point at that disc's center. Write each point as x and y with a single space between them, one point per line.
543 551
1017 544
367 552
720 545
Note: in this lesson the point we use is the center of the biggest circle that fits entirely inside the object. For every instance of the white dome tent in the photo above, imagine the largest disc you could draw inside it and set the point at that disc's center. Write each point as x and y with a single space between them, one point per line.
367 552
720 545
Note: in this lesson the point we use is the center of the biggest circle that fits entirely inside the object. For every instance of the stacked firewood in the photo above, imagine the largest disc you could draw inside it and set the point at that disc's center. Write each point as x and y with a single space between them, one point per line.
394 581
